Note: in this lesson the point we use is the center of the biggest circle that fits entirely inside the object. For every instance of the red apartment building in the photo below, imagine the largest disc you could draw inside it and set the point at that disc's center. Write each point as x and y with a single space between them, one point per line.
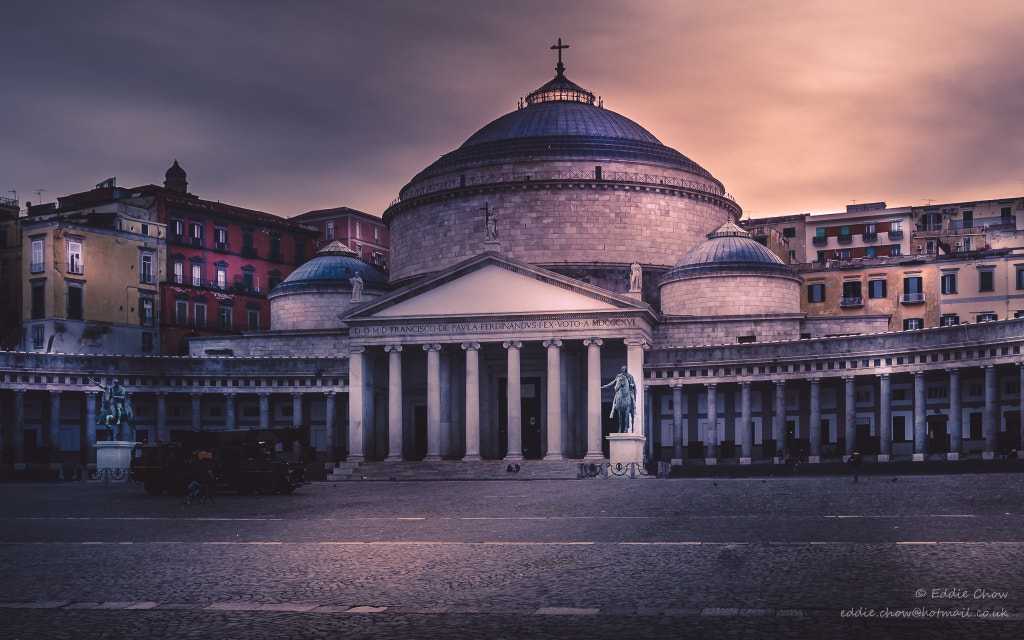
364 233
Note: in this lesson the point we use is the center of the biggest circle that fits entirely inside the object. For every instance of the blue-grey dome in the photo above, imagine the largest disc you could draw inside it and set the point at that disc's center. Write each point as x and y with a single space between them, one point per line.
331 268
729 248
560 121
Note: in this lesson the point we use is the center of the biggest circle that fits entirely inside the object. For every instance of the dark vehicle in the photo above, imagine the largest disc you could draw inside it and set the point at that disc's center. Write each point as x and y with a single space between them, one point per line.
242 459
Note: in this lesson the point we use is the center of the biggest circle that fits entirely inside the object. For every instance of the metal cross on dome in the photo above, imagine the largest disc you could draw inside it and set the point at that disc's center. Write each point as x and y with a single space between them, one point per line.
560 68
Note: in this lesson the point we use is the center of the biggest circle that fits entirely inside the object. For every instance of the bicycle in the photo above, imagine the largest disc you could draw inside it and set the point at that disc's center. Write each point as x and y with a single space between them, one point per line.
191 494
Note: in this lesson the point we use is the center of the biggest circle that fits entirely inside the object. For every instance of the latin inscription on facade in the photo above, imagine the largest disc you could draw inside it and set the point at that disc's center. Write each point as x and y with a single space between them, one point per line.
492 327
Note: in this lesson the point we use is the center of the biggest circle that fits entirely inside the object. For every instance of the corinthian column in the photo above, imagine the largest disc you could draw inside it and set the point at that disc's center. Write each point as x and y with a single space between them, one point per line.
554 420
515 408
395 417
593 399
472 400
433 401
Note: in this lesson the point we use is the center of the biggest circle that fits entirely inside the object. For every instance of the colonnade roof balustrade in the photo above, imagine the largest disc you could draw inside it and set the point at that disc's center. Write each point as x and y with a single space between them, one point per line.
983 344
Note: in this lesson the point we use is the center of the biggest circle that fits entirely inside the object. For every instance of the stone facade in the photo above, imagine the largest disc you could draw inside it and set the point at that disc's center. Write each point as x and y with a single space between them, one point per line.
730 294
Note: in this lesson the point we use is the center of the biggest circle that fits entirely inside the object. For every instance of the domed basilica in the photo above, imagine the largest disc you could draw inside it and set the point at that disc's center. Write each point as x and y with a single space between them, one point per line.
560 245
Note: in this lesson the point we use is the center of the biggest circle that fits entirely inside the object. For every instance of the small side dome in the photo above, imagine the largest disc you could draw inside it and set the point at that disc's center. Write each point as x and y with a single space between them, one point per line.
313 295
175 179
730 274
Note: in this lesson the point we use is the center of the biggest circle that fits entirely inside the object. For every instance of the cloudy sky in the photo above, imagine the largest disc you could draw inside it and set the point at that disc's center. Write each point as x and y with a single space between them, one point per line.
285 107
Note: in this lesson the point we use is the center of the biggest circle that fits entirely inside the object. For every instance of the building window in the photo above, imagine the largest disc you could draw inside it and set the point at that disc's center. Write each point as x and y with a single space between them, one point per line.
248 249
5 279
143 229
249 280
987 317
1004 216
75 301
275 248
38 264
146 268
220 239
929 247
876 289
300 251
224 318
789 232
147 342
869 252
913 289
894 250
852 295
376 234
177 230
948 283
819 232
179 272
222 278
200 315
75 256
910 324
1020 277
254 319
986 280
816 292
273 279
146 311
37 336
949 320
197 274
967 243
330 230
359 230
181 313
196 234
38 300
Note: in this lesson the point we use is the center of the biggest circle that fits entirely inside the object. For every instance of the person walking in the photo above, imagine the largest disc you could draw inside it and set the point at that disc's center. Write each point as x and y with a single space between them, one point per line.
209 483
854 463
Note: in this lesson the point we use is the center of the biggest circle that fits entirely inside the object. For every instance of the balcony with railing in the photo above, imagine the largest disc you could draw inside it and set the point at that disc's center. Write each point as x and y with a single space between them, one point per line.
249 252
819 241
869 236
222 247
844 238
913 298
853 301
896 234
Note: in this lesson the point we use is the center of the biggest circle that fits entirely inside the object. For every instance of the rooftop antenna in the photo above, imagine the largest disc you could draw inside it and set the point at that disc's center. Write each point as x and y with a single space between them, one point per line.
929 200
40 192
15 192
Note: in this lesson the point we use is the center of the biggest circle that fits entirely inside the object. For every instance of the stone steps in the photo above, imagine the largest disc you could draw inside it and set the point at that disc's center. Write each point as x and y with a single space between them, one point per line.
455 470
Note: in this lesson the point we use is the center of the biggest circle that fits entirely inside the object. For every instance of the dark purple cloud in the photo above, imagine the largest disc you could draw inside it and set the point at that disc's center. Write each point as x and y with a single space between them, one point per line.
287 107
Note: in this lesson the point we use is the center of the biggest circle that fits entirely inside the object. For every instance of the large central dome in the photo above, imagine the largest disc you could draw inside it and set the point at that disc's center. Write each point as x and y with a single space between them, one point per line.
573 185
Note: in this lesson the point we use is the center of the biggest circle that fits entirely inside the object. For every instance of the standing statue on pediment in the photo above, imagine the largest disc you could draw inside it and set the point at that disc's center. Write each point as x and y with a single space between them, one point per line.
357 287
490 224
635 277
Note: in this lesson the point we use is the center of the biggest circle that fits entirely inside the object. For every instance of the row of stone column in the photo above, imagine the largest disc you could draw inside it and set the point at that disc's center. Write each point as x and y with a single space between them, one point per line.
554 426
990 420
94 398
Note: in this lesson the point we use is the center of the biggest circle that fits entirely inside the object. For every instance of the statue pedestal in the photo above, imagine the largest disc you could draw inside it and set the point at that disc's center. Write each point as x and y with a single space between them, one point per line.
625 455
113 461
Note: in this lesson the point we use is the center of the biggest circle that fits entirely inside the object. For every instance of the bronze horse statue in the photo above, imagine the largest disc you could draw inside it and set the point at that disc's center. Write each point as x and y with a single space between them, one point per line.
624 402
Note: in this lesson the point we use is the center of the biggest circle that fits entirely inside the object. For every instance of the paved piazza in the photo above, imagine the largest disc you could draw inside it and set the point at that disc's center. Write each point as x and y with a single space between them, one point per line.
809 557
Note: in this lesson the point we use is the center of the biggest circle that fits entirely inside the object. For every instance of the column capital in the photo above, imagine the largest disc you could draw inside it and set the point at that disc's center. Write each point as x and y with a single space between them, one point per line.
592 342
195 394
988 367
849 379
636 342
553 342
330 394
953 371
160 394
513 344
356 350
814 380
432 346
471 346
297 394
393 348
711 385
744 383
918 374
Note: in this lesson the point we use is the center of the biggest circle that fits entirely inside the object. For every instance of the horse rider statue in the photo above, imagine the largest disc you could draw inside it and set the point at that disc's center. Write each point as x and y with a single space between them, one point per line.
624 402
116 409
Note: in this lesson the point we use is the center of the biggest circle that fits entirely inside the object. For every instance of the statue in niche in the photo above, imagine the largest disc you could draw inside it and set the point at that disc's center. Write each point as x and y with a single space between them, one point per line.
635 277
490 224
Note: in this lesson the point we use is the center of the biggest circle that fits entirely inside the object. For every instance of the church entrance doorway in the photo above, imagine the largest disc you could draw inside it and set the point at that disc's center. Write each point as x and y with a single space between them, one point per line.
530 410
938 436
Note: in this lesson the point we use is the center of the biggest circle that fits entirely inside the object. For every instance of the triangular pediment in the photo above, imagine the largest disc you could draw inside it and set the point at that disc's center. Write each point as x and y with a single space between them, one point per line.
494 285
